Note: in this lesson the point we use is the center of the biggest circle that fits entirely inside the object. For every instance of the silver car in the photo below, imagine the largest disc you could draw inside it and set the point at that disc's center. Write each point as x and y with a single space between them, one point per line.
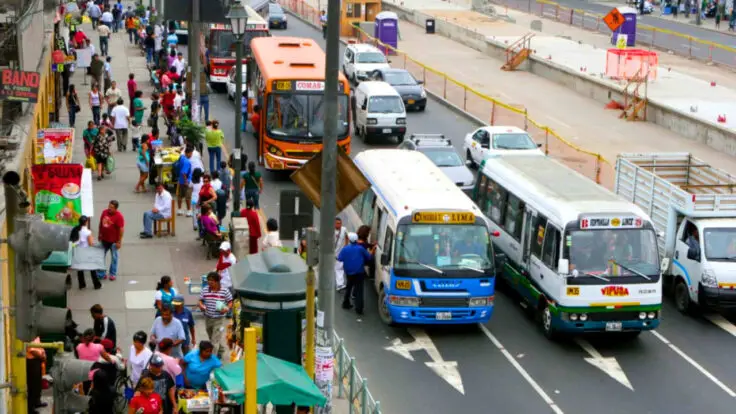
441 152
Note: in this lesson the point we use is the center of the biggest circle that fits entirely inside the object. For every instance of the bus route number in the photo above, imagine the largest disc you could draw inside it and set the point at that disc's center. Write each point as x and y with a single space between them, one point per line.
283 85
573 291
403 284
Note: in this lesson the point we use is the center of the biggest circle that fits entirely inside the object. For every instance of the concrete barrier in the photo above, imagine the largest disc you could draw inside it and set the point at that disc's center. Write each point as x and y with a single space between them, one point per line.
682 123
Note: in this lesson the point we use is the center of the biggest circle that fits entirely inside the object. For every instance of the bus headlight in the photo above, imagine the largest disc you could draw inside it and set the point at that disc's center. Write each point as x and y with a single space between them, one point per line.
652 315
400 121
404 301
275 151
642 315
371 121
485 301
573 316
583 317
708 279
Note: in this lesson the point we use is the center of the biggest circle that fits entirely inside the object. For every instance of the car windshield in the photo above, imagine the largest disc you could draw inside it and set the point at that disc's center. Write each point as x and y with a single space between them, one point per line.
443 157
385 105
223 44
302 116
442 246
611 253
399 78
370 57
720 243
275 11
513 141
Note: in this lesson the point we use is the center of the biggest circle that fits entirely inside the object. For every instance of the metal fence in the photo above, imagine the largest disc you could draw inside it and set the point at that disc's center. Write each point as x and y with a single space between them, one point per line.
481 106
350 384
646 36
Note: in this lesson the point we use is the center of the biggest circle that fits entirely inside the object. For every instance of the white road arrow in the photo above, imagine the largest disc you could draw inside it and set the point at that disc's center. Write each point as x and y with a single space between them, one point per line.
447 370
609 365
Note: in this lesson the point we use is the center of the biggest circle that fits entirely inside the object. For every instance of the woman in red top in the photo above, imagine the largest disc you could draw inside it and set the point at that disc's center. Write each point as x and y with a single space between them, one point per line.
254 225
167 101
79 39
207 194
145 399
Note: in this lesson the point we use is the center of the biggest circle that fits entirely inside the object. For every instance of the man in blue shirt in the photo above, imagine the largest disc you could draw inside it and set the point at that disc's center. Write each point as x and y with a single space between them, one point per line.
354 258
186 318
183 191
198 365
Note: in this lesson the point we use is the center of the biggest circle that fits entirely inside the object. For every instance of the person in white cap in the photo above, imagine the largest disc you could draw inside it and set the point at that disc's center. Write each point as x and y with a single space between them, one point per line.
341 240
354 258
226 261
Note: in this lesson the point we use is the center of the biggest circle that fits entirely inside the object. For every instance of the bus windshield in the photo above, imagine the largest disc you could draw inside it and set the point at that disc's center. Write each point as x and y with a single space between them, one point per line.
302 116
611 253
440 247
223 43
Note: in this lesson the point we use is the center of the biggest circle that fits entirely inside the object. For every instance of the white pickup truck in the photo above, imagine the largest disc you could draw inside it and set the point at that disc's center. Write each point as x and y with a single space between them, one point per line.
693 208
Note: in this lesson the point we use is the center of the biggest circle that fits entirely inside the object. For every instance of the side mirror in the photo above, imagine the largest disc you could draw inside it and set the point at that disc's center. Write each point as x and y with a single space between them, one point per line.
384 259
539 145
693 254
420 82
363 107
563 267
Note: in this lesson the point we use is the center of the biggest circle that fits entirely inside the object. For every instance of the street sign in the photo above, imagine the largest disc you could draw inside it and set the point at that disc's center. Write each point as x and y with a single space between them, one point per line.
614 19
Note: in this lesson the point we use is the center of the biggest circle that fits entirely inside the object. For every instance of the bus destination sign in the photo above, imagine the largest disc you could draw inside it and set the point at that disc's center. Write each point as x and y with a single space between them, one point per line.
632 222
443 217
302 86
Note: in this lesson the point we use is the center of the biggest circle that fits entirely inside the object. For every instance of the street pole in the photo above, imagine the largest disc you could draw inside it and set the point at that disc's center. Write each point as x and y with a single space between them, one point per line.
312 259
328 196
194 62
238 120
697 8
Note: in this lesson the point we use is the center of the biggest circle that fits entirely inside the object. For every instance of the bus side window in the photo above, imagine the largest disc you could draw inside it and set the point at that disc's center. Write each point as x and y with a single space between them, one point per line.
480 191
369 203
514 216
538 236
496 202
388 242
551 250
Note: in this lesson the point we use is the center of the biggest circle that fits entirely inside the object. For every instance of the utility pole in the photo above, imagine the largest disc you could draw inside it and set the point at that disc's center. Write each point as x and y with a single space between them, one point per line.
194 62
328 195
697 9
238 17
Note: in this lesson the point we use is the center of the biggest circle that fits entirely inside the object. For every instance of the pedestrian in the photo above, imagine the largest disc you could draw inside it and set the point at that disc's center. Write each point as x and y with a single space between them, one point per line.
97 70
183 166
354 258
341 240
72 104
103 325
81 236
145 400
101 396
112 96
155 109
139 108
254 225
161 211
104 31
117 16
255 121
204 100
112 228
130 28
215 138
101 149
88 138
136 133
120 121
94 14
132 87
184 315
323 23
166 326
224 263
165 293
108 73
272 238
171 364
149 45
139 356
180 64
252 184
35 366
95 103
143 161
88 350
108 19
198 365
215 301
226 176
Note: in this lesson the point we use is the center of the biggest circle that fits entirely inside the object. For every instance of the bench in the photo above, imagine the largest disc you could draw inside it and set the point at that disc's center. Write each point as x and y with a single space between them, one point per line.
166 227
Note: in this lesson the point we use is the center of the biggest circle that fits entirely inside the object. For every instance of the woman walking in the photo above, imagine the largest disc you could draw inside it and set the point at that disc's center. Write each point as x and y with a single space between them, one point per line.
88 137
215 139
81 236
95 103
72 104
101 149
252 185
143 161
165 293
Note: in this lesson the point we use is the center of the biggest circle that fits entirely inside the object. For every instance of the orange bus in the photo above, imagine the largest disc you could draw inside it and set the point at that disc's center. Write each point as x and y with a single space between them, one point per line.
286 77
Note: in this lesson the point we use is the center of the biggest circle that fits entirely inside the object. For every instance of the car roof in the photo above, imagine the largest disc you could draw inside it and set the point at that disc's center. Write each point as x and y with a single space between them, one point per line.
274 6
363 47
504 130
378 88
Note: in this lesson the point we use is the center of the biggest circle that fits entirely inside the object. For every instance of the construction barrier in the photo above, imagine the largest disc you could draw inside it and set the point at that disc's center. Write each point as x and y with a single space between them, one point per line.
481 106
646 36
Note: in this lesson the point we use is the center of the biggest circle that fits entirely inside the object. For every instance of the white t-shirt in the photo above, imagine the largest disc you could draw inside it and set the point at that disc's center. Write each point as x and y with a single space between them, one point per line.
195 191
178 99
196 161
340 242
225 280
216 184
271 240
180 65
121 115
84 234
138 362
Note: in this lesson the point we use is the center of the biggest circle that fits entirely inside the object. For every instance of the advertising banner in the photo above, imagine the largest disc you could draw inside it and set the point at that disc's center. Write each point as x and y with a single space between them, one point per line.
58 192
19 86
54 146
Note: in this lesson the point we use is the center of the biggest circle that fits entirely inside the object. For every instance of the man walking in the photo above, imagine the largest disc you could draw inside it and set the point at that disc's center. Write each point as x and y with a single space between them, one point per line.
103 326
166 326
120 121
132 87
161 210
215 301
323 22
183 190
94 13
354 258
104 32
184 315
112 227
341 240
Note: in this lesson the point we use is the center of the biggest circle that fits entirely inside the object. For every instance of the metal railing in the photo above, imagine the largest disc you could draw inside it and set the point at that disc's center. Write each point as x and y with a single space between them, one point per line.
350 384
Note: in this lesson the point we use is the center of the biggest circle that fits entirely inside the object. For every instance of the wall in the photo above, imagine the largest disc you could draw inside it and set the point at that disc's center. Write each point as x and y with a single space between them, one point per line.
708 133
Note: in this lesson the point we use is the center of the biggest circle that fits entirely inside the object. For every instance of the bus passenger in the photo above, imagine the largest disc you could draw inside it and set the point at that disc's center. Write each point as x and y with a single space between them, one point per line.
468 246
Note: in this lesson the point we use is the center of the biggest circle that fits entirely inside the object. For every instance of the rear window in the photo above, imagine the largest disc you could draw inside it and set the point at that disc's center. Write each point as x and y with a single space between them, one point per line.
385 104
370 57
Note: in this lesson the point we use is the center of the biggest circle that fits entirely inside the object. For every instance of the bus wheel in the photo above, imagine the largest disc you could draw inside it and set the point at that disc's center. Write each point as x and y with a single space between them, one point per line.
682 297
383 311
545 320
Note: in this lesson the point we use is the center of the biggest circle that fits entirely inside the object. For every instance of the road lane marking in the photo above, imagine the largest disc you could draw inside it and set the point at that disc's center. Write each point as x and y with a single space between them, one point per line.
697 366
608 365
447 370
721 322
557 121
538 389
687 45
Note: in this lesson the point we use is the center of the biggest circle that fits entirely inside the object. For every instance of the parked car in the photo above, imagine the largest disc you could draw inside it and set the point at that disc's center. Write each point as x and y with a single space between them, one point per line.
499 140
360 60
230 85
441 152
411 90
276 17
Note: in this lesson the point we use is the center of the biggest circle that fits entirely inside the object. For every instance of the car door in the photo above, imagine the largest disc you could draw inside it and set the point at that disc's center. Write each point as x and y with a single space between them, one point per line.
689 262
347 62
361 105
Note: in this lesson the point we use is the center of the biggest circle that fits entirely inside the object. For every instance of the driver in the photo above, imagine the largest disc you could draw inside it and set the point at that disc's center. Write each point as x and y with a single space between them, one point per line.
468 246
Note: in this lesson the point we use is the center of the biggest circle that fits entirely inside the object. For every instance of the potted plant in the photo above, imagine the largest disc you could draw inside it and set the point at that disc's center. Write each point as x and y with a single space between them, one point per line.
192 132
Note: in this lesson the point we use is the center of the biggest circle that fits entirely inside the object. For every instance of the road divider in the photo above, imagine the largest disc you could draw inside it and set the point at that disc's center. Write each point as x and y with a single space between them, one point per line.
479 106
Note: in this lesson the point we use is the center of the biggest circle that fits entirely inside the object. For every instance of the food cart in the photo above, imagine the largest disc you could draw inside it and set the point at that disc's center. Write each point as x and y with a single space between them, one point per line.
163 160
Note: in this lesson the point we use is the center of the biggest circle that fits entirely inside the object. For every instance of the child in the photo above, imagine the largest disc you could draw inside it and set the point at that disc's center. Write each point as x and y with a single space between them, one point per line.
106 122
136 132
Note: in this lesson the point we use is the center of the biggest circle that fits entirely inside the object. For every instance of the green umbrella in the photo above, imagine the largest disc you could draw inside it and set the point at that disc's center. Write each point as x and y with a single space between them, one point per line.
279 382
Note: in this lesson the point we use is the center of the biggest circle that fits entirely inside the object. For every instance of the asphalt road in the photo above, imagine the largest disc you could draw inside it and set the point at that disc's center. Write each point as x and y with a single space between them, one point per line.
507 366
644 38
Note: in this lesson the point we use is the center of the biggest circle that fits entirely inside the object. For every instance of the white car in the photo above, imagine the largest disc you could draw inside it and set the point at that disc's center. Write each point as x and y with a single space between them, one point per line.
231 82
498 140
360 60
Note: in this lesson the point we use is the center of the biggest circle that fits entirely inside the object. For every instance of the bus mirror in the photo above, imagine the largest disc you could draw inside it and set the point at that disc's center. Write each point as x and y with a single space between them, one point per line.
384 259
563 267
496 233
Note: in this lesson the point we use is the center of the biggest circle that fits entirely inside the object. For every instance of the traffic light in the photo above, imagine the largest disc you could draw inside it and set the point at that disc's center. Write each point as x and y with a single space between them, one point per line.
33 241
67 372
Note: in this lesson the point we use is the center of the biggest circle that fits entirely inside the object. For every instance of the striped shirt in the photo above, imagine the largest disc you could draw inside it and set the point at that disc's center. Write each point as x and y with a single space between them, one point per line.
210 300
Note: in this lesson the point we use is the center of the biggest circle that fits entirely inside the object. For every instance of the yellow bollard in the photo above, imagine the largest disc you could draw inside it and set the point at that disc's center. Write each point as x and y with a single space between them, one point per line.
250 360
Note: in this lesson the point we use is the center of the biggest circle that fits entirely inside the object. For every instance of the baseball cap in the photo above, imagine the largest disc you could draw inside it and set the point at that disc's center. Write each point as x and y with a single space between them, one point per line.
177 300
353 237
157 361
225 245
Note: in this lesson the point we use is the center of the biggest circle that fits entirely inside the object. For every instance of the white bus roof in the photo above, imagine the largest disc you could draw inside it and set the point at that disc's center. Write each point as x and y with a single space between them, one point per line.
407 181
560 192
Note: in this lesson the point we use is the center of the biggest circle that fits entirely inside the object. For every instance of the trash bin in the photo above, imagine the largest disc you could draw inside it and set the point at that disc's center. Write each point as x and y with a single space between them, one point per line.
429 25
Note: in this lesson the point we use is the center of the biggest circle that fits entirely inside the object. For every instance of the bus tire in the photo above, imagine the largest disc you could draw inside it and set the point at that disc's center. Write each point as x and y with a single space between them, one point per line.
682 297
400 138
383 312
544 318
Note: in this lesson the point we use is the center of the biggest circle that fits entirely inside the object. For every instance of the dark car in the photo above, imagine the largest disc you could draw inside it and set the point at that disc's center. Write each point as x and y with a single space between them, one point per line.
276 16
411 90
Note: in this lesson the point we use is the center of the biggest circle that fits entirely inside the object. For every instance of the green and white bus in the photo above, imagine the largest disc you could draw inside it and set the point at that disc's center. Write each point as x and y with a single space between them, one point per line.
581 258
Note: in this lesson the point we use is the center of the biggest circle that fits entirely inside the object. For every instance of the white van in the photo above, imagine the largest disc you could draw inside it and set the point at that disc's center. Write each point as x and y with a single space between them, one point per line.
362 59
379 111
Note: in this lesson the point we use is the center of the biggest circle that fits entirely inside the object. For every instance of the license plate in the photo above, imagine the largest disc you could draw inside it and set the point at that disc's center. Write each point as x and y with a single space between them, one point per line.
387 130
443 316
403 284
613 326
411 102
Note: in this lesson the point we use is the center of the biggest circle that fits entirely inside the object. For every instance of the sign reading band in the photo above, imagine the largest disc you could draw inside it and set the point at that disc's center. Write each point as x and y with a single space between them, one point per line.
18 85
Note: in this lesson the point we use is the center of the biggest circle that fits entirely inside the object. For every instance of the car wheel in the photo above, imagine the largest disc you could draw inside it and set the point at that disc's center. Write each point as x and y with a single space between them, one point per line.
383 311
422 108
366 136
469 159
682 297
400 138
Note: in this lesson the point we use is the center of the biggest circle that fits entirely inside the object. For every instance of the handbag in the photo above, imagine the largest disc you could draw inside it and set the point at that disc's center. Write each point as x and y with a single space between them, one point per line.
91 163
110 164
150 122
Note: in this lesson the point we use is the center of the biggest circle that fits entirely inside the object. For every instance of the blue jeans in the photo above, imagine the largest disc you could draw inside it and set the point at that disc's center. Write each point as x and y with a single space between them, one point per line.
204 102
254 195
72 117
96 115
149 55
148 218
244 122
112 248
103 45
214 153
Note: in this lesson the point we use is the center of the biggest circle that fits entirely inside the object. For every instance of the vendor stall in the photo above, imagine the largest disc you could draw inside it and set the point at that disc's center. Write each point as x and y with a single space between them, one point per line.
164 160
